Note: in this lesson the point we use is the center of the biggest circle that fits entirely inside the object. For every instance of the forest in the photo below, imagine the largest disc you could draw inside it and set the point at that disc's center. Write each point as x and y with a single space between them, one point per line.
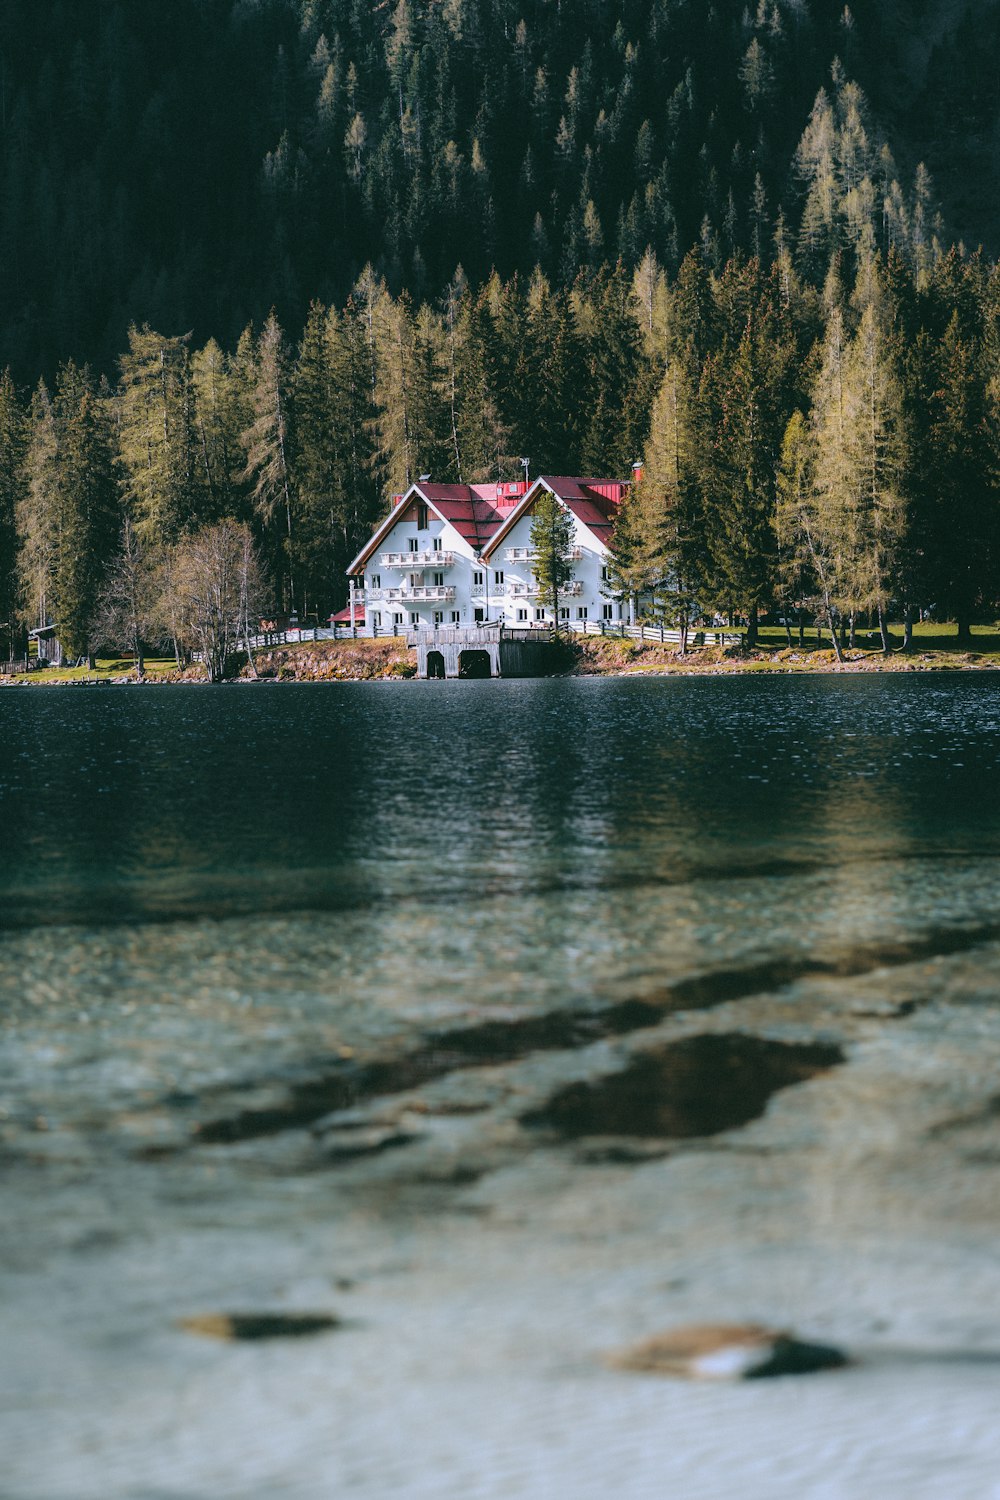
266 261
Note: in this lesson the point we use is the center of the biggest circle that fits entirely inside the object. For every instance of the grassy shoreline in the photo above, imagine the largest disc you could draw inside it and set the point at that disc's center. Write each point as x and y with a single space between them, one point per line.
935 648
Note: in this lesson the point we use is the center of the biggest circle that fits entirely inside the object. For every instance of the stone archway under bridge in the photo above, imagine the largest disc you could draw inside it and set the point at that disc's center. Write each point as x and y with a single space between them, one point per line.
482 651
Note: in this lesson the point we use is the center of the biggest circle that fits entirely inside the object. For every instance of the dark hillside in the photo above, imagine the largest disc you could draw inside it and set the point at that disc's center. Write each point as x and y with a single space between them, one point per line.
192 164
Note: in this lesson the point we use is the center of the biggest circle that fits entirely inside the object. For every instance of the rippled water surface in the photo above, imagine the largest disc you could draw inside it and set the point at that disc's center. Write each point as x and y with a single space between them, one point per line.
229 916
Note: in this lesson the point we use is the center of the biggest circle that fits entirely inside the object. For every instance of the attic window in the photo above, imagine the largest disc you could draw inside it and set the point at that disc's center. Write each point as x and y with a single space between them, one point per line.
421 516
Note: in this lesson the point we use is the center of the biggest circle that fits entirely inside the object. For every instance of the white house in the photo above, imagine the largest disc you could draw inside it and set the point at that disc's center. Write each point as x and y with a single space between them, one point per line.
460 554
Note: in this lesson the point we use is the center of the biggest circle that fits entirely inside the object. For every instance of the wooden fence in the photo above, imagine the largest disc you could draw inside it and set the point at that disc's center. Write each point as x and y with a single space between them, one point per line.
661 634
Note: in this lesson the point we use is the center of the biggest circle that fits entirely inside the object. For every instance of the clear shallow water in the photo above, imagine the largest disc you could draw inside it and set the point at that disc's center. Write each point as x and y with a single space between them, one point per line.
212 899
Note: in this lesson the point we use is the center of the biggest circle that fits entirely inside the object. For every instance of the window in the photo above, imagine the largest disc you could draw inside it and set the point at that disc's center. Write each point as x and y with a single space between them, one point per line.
416 580
437 544
414 617
604 578
456 616
439 580
376 580
539 614
581 613
477 615
376 620
413 544
421 517
563 612
438 617
477 580
607 612
522 614
397 619
498 576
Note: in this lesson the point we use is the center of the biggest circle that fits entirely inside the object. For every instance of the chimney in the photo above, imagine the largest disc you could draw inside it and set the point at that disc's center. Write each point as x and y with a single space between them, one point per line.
637 471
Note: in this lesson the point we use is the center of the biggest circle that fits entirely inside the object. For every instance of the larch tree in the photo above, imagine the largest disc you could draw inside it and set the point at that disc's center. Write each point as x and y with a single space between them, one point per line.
156 446
268 468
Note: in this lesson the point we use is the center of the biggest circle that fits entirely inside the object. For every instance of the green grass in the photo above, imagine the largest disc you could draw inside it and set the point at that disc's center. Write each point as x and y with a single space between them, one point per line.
107 669
928 636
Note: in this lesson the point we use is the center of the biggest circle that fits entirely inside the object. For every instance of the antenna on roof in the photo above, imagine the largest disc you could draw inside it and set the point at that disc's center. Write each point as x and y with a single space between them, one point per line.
524 465
423 478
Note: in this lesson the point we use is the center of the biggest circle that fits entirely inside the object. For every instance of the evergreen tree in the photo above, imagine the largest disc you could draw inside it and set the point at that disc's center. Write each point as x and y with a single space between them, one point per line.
155 435
551 542
87 509
38 517
13 443
268 471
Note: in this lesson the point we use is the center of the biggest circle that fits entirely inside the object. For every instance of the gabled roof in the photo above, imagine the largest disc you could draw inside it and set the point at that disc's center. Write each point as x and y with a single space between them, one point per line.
483 514
593 501
474 510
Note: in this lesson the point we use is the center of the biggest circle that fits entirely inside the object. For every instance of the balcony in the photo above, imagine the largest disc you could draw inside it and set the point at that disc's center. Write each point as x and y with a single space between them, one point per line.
426 558
436 594
527 554
517 590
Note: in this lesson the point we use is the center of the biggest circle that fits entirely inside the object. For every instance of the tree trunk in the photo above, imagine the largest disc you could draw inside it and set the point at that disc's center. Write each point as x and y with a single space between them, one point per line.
802 629
964 630
834 638
908 627
751 637
788 632
883 630
854 630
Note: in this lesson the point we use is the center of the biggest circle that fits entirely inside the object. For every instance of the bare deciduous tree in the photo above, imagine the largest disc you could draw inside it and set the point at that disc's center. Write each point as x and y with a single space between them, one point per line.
127 613
216 590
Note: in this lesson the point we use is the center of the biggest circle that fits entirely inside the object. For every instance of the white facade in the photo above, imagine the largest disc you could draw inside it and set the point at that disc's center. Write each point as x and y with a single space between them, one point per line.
516 600
422 571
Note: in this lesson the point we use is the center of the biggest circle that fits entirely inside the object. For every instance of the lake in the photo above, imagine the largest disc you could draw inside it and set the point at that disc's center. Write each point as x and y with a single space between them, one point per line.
365 999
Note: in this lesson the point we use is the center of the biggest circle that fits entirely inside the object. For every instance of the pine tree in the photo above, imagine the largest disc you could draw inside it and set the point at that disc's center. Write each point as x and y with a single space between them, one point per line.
87 507
37 517
551 541
963 531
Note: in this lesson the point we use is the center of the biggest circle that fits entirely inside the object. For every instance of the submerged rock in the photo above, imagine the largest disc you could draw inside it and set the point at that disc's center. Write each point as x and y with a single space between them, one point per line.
727 1351
238 1326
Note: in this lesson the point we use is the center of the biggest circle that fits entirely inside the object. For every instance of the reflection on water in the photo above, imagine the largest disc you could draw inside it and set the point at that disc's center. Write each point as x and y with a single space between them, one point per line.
278 963
201 886
144 804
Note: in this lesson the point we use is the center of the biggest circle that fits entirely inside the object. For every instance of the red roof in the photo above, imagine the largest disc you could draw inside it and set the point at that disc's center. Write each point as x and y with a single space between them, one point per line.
479 511
343 616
